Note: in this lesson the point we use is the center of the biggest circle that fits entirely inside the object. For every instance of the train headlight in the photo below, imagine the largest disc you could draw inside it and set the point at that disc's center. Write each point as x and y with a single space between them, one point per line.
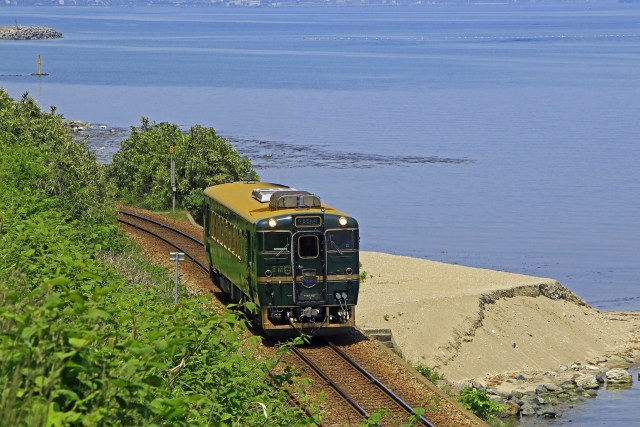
344 295
342 221
349 270
273 222
268 273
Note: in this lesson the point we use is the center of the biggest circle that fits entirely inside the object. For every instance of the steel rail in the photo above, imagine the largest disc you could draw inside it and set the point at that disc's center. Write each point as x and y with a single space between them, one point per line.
329 381
375 381
191 257
175 230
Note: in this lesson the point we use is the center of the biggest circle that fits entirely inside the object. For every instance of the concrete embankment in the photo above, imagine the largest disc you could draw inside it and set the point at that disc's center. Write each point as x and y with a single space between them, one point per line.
28 33
508 333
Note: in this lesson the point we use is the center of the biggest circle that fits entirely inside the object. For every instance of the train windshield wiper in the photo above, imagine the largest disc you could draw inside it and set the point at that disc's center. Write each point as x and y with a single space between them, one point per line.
282 249
336 246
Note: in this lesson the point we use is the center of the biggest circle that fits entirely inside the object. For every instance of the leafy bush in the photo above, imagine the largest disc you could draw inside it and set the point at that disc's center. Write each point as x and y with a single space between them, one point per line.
82 345
79 344
50 159
141 168
478 402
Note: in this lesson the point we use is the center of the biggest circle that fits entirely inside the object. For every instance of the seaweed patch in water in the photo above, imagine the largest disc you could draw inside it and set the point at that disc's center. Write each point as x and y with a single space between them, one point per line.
105 141
271 154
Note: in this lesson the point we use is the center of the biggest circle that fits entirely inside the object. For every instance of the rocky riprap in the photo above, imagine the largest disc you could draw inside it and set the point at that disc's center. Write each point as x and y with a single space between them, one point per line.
103 140
28 33
547 400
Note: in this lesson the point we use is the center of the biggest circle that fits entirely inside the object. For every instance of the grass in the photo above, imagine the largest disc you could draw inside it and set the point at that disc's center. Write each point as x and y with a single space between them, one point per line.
179 214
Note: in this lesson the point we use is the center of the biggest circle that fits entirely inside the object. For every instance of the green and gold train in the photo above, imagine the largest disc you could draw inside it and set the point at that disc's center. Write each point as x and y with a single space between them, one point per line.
294 257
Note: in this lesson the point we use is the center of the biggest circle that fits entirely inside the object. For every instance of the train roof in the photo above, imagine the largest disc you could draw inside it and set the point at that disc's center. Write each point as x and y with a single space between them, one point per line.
259 200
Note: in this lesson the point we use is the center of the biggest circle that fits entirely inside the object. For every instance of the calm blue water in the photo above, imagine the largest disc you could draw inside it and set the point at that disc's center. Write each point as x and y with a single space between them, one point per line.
505 137
520 122
615 407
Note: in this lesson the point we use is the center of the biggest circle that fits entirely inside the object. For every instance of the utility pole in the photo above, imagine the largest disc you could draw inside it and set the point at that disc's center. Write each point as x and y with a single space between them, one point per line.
173 179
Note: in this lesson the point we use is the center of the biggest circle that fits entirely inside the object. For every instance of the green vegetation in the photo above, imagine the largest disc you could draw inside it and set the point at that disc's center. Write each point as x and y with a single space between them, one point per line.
363 276
38 154
141 169
430 374
478 402
178 214
376 419
89 334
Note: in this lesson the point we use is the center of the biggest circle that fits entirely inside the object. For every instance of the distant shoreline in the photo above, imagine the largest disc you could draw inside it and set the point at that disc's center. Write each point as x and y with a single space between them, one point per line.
256 4
21 32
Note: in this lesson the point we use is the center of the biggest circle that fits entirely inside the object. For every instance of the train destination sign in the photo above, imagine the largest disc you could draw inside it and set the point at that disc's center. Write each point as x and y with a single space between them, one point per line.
308 221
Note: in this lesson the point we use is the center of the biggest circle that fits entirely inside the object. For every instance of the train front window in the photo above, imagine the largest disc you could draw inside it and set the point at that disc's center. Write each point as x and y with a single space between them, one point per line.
274 241
342 240
308 246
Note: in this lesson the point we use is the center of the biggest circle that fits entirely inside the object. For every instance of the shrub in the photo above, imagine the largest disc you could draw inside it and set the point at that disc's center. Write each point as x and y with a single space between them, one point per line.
44 156
478 402
82 345
141 168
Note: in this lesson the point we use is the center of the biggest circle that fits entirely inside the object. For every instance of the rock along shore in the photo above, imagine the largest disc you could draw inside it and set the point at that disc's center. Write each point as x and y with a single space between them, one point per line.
28 33
528 341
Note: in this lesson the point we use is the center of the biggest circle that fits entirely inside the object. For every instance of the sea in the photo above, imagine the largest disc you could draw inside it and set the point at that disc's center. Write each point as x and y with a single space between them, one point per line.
501 136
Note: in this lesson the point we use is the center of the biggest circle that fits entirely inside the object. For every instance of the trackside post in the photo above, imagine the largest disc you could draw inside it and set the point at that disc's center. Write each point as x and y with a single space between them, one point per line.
177 257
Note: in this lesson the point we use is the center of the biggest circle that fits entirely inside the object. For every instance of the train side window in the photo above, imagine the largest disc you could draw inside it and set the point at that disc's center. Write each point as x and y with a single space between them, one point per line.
214 225
308 246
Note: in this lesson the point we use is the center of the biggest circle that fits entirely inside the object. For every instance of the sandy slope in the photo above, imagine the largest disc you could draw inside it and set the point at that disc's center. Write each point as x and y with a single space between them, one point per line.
471 323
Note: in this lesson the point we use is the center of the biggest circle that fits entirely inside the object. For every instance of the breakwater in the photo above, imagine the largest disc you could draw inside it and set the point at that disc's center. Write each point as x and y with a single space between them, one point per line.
16 32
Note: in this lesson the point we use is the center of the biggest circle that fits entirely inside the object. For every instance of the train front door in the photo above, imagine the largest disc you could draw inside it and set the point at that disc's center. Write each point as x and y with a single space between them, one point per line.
308 268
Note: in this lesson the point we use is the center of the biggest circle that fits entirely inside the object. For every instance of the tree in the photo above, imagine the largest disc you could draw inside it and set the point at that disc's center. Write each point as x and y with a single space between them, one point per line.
141 168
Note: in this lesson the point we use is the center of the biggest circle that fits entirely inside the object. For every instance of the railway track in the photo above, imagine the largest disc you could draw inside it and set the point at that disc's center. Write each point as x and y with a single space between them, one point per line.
191 246
361 393
361 390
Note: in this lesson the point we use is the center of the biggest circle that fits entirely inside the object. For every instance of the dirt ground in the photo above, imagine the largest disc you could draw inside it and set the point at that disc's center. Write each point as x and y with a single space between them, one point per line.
476 324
